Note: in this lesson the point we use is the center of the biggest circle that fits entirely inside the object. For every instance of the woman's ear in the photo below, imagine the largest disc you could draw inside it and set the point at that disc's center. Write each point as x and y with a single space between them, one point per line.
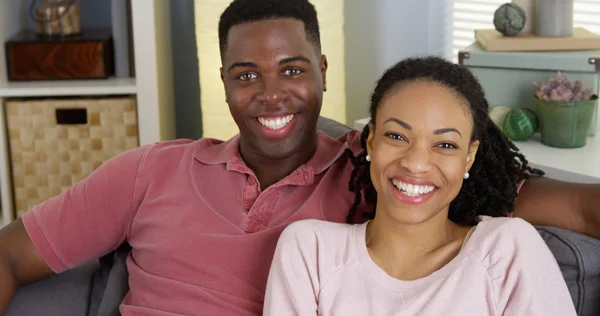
370 138
473 147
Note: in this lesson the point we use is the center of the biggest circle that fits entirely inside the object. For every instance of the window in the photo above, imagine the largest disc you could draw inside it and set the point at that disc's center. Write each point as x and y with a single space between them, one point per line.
469 15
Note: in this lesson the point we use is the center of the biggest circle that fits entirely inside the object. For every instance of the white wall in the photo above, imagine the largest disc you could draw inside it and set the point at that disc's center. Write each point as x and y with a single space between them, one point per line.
379 33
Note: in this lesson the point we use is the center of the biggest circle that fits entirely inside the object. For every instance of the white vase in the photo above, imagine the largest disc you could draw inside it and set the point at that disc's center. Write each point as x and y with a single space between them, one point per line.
529 7
554 18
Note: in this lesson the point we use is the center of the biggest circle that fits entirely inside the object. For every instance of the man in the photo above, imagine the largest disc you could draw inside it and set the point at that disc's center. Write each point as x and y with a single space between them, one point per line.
203 217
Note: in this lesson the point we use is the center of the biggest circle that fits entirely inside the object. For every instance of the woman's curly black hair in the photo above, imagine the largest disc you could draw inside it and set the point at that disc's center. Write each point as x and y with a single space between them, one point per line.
498 166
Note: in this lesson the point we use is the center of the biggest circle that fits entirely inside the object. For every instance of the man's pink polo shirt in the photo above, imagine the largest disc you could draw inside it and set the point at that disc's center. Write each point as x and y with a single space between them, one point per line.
202 232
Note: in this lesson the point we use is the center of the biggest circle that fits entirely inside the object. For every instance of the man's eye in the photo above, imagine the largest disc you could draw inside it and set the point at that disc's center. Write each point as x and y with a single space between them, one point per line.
292 72
247 76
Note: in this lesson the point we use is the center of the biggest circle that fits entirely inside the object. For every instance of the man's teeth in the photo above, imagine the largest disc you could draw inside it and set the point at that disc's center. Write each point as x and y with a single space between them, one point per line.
275 123
412 189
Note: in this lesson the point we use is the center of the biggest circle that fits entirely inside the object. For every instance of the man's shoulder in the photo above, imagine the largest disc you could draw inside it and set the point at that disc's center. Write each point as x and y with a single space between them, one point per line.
352 138
179 148
181 144
159 158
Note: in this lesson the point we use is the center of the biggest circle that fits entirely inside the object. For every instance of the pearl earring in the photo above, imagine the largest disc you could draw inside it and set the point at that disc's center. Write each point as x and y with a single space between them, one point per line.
368 157
466 176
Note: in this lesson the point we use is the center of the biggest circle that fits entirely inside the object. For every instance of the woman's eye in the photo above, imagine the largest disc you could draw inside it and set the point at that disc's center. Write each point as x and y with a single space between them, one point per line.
447 146
247 76
292 72
395 136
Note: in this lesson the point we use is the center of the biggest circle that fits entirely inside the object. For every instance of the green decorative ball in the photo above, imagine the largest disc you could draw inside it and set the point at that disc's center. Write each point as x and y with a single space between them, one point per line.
509 19
520 124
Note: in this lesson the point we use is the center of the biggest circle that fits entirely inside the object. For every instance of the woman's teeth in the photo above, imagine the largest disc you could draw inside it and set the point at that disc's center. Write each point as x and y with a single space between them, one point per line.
275 123
412 189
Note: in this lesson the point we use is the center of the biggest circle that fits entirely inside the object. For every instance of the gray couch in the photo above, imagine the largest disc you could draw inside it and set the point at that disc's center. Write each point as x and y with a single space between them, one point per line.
98 287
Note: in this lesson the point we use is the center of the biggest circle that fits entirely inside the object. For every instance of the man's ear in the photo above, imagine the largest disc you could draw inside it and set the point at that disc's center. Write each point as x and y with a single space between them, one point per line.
324 71
370 138
473 147
222 72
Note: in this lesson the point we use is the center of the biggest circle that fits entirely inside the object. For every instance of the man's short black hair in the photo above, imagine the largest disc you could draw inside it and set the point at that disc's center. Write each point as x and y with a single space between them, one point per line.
245 11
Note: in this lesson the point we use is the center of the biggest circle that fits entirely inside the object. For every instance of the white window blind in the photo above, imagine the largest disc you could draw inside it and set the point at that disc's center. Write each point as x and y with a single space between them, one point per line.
469 15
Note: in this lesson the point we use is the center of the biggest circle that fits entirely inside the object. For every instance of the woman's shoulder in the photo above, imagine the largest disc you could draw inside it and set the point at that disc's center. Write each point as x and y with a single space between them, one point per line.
318 237
504 225
308 229
503 236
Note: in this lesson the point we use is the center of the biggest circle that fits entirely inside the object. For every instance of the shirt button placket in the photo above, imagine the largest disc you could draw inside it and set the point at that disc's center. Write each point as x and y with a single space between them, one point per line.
260 213
251 192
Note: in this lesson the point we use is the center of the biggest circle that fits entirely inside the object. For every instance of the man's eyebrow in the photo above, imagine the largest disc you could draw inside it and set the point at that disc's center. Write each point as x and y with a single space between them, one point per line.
293 59
284 61
242 64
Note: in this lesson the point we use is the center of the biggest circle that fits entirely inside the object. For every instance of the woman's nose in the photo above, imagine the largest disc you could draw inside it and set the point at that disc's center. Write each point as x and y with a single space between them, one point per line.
417 159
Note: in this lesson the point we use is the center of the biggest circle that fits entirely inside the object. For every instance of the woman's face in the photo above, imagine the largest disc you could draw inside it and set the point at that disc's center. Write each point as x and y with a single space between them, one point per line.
420 149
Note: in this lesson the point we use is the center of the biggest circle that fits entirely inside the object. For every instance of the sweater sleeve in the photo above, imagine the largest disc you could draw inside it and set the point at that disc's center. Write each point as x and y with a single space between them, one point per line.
525 276
297 272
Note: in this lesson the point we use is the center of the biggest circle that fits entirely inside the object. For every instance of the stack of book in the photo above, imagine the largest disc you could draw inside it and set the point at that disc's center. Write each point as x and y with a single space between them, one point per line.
493 41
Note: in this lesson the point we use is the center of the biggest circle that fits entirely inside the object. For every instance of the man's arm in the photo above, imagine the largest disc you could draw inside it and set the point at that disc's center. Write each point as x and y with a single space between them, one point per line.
83 223
20 262
548 202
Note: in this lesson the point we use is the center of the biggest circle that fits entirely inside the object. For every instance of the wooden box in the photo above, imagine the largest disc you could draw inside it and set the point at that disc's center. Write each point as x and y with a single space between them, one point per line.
507 77
55 143
86 56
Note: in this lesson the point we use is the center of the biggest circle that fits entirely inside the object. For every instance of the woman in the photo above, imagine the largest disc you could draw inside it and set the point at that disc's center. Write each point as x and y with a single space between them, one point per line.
442 179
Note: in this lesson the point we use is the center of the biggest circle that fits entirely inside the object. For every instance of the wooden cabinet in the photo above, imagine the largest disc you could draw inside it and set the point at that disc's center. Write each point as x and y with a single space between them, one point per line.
88 56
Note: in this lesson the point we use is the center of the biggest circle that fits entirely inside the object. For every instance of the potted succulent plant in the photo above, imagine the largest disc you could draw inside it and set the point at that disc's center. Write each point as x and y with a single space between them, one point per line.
565 111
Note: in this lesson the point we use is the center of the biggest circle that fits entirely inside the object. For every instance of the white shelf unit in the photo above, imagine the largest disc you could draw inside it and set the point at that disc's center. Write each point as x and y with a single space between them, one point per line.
111 86
580 165
153 85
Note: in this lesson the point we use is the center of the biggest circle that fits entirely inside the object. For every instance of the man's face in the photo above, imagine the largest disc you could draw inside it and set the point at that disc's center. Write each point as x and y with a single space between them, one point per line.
274 79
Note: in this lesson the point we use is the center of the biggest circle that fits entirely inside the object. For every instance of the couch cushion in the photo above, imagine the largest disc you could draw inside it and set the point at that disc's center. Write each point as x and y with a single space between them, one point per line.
579 259
67 293
332 128
117 282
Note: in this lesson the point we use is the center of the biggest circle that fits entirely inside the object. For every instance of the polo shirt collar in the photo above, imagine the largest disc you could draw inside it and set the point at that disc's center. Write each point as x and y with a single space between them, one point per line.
219 152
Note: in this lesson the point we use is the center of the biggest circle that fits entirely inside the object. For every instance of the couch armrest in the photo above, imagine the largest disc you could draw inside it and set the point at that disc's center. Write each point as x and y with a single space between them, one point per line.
579 261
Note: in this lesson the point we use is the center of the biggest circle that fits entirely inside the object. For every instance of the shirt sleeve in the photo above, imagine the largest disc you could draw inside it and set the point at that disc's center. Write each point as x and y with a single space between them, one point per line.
89 219
525 276
296 272
352 138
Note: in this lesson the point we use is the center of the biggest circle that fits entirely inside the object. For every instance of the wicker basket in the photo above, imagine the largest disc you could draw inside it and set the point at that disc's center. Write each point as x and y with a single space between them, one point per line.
55 143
